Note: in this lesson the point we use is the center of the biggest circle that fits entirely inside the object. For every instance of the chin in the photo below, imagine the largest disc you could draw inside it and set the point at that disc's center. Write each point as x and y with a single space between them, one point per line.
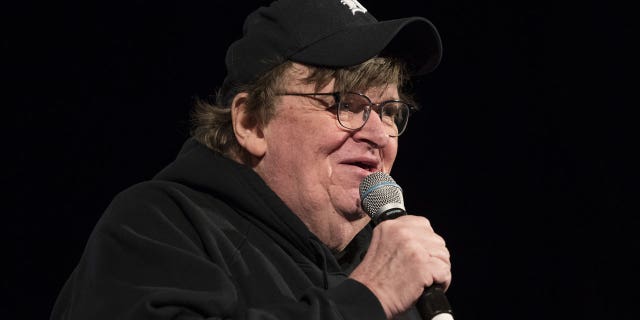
355 215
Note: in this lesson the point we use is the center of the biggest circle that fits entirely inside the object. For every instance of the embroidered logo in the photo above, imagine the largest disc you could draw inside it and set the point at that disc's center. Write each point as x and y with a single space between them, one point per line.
354 6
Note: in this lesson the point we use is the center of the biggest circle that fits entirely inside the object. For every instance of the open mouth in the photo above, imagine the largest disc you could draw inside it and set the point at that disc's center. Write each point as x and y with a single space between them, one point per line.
366 165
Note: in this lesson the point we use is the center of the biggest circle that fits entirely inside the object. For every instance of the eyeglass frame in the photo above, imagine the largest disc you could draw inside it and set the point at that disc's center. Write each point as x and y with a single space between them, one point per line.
371 106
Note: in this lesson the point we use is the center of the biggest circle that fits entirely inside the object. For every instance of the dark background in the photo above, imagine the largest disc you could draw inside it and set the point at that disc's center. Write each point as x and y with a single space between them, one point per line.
521 158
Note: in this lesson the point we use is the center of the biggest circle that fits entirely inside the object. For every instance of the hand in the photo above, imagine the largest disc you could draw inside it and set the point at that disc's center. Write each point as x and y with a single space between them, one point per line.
404 257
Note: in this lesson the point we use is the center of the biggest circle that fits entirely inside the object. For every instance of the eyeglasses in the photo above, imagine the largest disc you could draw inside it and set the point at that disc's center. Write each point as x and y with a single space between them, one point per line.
353 110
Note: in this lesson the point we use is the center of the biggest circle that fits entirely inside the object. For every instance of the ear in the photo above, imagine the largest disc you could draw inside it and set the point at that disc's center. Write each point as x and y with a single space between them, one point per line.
246 128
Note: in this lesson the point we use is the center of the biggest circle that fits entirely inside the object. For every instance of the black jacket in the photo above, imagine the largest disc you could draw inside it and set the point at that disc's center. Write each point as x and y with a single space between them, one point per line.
207 239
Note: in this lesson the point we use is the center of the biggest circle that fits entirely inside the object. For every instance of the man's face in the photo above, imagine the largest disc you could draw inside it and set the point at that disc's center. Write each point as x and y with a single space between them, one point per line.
316 166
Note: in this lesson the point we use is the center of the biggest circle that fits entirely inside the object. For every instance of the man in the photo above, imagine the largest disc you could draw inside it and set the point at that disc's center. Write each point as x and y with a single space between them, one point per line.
259 217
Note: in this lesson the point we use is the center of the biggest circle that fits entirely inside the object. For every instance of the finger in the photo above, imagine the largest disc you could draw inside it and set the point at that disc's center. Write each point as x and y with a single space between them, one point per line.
441 254
438 272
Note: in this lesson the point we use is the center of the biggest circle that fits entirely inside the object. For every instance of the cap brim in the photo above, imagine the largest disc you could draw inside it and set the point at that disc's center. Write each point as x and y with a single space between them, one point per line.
414 40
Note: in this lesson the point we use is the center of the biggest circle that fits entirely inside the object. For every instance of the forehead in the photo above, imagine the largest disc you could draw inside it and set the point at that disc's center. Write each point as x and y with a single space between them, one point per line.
298 76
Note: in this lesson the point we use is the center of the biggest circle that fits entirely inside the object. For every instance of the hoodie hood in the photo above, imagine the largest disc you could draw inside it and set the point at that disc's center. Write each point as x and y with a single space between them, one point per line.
242 188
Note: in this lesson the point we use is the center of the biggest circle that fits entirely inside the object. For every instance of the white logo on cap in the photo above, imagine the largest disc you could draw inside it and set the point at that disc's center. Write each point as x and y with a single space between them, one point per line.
354 6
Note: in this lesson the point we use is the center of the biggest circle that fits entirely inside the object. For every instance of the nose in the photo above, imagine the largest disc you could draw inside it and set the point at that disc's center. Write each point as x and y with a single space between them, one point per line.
373 132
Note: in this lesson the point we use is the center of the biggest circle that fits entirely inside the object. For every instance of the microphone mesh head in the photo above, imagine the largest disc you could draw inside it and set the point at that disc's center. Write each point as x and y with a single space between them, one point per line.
379 190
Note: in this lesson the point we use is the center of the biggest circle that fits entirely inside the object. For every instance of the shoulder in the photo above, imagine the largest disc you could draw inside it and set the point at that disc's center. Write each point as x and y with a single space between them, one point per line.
164 197
169 212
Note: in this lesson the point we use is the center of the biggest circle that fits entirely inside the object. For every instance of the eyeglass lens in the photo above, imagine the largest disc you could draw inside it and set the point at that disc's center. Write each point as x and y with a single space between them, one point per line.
354 113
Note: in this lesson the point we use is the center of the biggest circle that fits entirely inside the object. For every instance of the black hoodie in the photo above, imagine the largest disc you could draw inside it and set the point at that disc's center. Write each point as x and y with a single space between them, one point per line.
207 239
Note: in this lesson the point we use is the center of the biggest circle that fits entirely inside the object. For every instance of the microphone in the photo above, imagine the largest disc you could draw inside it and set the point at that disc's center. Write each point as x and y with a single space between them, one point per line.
382 200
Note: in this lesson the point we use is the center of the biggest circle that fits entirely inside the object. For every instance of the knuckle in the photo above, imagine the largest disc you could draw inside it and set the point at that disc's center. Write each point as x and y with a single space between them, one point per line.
402 234
421 220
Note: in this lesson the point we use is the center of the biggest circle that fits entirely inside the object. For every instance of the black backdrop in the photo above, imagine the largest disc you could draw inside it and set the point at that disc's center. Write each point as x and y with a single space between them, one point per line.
521 157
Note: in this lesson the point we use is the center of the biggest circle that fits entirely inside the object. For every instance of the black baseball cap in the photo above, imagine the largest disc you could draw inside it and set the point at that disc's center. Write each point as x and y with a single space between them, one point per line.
327 33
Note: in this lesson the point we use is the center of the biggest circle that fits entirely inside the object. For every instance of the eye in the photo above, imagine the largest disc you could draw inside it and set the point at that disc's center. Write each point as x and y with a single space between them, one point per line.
390 110
354 106
354 103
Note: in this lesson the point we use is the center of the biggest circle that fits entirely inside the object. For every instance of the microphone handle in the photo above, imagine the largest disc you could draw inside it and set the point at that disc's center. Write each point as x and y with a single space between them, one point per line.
433 303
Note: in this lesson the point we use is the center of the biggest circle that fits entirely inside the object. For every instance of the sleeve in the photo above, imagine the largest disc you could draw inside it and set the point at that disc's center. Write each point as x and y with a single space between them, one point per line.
144 260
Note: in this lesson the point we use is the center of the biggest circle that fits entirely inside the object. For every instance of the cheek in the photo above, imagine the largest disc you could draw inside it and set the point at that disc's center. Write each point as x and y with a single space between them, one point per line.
389 154
313 137
300 142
